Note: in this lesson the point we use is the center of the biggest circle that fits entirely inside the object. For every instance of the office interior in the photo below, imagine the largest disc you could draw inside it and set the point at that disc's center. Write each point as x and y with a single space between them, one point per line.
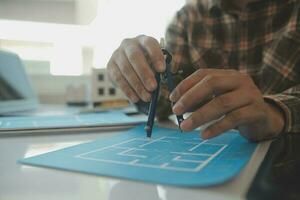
64 46
62 41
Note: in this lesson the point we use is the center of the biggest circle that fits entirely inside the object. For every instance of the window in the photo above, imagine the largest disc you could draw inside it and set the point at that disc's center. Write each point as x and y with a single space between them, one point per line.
119 19
112 91
100 77
101 91
62 45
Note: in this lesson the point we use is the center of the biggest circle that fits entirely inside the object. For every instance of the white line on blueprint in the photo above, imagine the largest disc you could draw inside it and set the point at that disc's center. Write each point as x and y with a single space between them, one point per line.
153 141
123 153
196 146
178 158
191 154
210 158
189 165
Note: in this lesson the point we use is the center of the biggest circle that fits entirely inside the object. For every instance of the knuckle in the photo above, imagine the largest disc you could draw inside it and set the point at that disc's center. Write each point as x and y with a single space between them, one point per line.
132 52
141 36
235 117
125 70
200 117
126 42
223 102
147 40
211 80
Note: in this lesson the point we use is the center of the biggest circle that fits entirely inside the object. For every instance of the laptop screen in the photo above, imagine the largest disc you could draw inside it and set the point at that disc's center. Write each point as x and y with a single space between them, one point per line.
16 93
7 91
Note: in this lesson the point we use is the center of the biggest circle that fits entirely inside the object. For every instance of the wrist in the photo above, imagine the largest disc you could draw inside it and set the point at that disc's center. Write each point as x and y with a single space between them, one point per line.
276 119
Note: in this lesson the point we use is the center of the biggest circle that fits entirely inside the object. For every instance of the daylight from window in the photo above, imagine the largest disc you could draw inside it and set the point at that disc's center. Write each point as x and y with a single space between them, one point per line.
63 46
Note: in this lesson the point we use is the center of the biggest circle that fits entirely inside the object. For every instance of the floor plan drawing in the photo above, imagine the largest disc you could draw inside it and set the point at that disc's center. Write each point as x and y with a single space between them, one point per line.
191 155
169 157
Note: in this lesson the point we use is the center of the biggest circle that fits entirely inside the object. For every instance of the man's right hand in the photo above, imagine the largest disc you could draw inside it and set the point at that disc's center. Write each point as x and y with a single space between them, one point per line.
132 67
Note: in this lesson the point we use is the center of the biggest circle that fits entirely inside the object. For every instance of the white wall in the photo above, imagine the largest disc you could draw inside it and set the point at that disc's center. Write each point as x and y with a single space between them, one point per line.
53 11
86 11
41 11
52 89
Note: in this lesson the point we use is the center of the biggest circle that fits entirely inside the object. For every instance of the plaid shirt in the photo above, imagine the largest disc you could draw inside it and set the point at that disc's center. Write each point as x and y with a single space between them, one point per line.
263 41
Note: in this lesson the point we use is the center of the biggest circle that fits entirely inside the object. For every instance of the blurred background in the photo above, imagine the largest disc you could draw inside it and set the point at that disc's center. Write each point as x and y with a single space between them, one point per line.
62 41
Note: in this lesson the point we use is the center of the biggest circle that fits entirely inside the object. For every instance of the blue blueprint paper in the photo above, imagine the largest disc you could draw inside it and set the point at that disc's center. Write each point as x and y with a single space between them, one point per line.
169 157
109 118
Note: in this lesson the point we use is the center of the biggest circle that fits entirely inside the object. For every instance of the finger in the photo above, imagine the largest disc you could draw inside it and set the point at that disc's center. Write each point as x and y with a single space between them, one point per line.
131 77
208 86
217 108
153 49
139 63
234 119
193 79
117 77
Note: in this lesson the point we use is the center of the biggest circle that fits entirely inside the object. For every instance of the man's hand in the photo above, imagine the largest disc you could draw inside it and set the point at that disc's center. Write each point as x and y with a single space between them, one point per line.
237 103
131 67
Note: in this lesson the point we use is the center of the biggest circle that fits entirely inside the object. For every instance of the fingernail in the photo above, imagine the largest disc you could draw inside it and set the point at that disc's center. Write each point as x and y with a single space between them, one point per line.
160 66
178 108
173 96
186 124
151 84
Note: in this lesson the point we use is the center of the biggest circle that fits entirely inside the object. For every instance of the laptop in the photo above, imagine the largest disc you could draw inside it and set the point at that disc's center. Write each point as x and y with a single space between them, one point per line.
17 97
16 92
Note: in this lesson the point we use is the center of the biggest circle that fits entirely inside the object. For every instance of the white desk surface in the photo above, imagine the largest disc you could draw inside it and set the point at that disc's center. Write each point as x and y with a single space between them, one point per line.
26 182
